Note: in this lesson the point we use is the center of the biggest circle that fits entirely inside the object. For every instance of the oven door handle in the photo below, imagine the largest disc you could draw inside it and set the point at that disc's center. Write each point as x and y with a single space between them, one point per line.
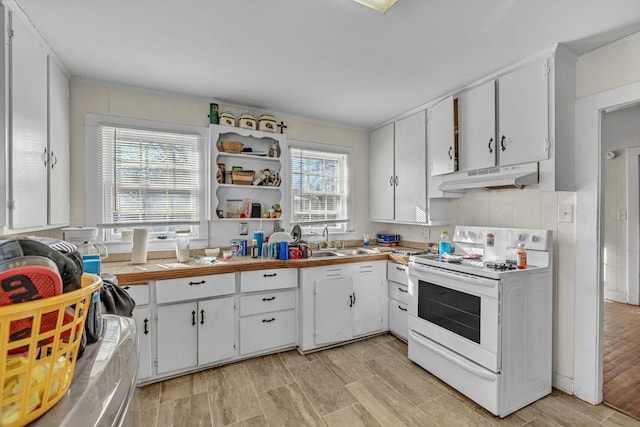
476 280
480 372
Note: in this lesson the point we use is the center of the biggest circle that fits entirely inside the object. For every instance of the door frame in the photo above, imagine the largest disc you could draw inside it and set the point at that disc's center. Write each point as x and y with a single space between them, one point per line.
633 225
589 289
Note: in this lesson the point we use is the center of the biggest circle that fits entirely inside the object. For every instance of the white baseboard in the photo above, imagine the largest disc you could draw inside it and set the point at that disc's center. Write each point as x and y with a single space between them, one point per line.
615 296
563 383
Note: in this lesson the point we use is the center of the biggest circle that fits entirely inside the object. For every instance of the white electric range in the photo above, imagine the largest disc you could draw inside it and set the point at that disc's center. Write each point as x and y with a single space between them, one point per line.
482 325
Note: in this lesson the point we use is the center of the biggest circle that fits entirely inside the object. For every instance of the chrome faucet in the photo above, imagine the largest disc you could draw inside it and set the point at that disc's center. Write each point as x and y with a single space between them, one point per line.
325 234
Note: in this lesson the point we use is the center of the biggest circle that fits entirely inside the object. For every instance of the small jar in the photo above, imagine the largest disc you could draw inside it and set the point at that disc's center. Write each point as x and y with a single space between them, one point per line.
227 119
247 121
267 123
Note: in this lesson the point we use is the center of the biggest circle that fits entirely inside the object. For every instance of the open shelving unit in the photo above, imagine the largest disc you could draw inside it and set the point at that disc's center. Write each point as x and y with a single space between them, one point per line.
256 160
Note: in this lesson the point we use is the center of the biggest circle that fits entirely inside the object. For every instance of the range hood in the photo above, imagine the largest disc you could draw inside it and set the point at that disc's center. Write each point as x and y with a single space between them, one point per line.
505 176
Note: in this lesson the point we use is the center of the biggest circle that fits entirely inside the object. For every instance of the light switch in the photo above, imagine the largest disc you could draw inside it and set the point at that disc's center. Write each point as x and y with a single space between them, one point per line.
621 215
565 213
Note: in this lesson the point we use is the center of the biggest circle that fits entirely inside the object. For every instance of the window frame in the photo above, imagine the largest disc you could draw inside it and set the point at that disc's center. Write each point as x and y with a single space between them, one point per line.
314 228
93 185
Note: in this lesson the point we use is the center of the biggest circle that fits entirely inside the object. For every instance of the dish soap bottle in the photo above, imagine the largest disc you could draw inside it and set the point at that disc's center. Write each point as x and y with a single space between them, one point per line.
522 257
444 247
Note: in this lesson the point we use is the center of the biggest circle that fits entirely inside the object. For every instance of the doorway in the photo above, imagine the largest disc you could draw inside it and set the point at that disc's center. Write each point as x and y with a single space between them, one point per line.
620 142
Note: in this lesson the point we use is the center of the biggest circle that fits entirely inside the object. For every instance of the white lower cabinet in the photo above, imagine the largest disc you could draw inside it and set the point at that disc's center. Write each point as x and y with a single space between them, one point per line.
143 320
339 303
398 276
268 319
333 304
267 331
142 317
195 333
195 321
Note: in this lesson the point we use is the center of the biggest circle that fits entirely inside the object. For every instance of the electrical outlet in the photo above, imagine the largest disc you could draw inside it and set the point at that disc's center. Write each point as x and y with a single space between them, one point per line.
426 232
565 213
244 228
621 215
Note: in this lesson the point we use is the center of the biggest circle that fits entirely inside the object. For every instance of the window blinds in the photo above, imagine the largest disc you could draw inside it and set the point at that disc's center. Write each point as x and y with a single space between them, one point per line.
148 177
319 186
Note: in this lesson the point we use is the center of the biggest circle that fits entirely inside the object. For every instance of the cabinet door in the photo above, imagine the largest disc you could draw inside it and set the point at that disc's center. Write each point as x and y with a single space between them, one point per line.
411 170
216 330
440 140
142 317
177 333
333 316
28 129
59 166
369 298
381 174
477 115
524 115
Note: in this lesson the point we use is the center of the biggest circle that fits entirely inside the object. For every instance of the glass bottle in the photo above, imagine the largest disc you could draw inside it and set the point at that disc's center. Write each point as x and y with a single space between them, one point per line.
444 247
522 257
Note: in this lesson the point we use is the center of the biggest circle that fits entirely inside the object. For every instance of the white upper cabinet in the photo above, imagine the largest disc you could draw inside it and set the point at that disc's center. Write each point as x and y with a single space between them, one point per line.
398 173
411 169
524 114
35 194
28 130
59 169
441 138
477 127
381 174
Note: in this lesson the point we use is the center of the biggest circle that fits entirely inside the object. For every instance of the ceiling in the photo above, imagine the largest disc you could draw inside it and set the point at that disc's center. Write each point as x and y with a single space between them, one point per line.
328 60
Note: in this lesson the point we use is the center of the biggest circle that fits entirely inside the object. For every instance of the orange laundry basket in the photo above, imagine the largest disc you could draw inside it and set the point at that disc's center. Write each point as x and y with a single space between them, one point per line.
38 377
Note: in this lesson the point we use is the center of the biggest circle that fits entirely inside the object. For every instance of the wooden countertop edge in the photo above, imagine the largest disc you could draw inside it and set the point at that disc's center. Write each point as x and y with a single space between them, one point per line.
139 278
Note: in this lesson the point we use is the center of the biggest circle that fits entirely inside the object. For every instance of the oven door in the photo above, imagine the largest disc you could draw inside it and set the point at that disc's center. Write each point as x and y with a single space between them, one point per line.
458 311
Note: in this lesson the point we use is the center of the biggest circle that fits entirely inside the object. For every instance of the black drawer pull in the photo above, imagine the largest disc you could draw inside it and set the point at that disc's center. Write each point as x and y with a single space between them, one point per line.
268 299
268 320
270 275
400 269
202 317
197 283
146 326
402 290
193 318
402 308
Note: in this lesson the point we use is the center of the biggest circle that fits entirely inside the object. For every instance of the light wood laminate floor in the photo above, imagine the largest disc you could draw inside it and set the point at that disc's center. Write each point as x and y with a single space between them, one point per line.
367 383
621 357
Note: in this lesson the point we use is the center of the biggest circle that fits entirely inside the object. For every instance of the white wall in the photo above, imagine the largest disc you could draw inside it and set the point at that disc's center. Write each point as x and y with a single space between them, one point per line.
620 130
91 97
615 65
605 78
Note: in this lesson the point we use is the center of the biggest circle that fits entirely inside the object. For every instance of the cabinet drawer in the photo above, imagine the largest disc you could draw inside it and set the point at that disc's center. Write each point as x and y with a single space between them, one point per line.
398 319
398 273
266 302
264 280
267 331
188 288
399 292
139 293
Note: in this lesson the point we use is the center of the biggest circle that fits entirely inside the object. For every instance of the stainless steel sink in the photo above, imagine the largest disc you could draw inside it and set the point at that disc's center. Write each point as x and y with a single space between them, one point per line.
354 251
324 254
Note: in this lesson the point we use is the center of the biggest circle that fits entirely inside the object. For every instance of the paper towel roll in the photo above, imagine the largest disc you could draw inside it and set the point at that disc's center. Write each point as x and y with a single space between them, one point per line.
139 250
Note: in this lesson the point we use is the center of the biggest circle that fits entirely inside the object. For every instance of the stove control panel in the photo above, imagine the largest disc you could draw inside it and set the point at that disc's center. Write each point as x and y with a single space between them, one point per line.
540 240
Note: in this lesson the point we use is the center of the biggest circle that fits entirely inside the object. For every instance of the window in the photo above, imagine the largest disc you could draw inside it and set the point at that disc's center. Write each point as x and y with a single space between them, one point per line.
320 186
148 177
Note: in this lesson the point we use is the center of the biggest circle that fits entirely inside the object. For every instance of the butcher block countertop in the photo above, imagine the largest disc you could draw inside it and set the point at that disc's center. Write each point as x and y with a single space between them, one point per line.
159 269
